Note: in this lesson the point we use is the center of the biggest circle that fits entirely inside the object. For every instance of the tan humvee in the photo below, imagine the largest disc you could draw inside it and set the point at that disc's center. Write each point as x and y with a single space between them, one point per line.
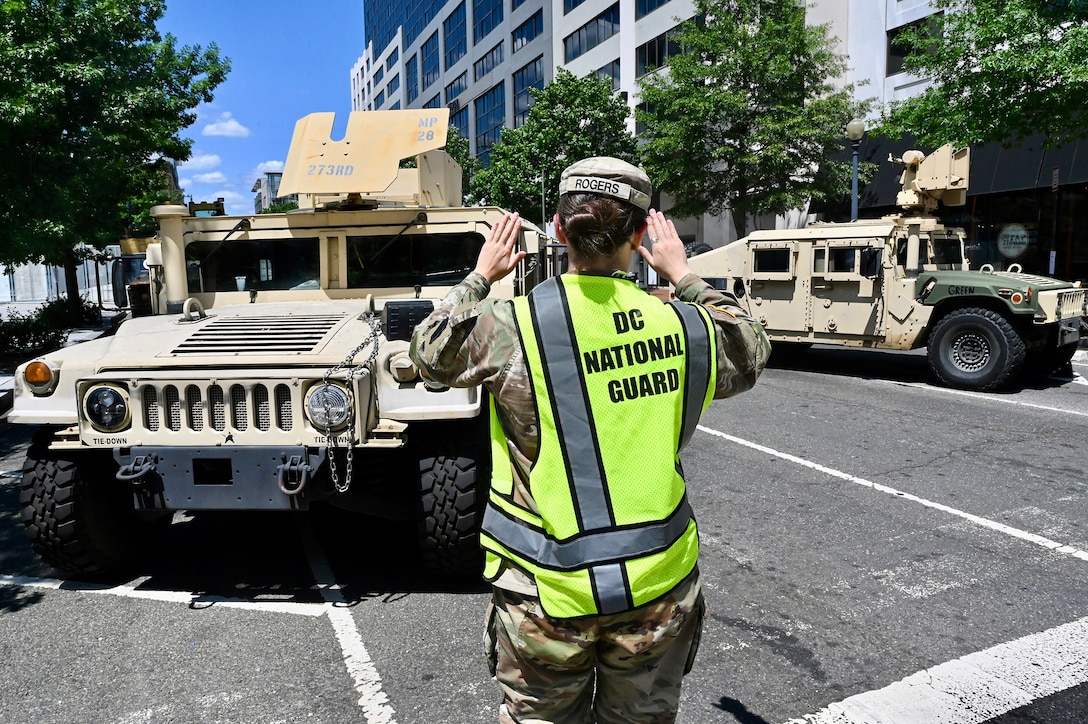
273 371
904 282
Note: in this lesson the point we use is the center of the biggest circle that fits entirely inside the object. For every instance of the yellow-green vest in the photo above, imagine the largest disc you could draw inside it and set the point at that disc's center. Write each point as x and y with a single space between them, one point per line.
620 380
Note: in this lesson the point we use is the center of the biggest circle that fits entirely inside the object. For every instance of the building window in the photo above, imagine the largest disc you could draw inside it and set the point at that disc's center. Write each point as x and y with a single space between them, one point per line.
395 106
428 53
515 4
379 99
394 84
486 64
490 114
457 87
392 59
456 39
435 102
459 120
611 73
416 16
528 30
411 79
569 5
531 76
486 15
654 53
897 50
592 34
645 7
379 73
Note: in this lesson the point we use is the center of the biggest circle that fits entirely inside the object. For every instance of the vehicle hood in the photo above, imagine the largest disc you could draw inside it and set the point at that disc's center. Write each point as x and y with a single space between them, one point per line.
992 280
249 335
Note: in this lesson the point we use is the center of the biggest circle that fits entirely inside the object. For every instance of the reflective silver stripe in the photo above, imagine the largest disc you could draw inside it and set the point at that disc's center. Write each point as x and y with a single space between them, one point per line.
588 549
698 367
610 589
570 406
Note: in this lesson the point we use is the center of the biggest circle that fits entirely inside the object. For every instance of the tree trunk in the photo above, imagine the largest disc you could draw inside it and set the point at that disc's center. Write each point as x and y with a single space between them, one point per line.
71 284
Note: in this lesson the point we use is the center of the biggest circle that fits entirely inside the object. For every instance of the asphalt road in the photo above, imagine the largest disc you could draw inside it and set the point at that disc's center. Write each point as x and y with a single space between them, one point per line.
873 545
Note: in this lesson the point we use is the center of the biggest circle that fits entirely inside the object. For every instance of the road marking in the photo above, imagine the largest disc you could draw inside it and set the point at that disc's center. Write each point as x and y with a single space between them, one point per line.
976 687
193 600
993 398
374 701
977 520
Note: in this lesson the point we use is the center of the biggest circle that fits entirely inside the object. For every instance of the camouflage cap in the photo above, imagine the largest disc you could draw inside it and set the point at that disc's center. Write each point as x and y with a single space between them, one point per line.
610 177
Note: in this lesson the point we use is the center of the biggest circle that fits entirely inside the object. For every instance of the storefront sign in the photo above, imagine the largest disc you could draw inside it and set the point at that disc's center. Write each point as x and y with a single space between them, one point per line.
1012 241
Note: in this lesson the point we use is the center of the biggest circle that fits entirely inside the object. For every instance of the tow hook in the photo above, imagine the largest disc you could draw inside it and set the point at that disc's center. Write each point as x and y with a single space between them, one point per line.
293 474
140 466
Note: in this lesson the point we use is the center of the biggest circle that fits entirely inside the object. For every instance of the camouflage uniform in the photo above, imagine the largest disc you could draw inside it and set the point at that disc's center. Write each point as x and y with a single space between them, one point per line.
550 668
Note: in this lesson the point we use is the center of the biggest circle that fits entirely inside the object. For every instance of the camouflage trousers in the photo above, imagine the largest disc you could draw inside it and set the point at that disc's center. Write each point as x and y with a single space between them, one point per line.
619 669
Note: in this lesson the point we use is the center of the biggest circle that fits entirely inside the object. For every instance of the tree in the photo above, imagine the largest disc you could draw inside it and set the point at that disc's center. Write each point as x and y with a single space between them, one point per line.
745 115
91 97
1001 70
572 118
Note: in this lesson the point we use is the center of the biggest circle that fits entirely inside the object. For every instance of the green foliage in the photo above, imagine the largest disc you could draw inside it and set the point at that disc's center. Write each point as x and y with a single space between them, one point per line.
1002 70
572 118
42 330
90 96
747 117
281 207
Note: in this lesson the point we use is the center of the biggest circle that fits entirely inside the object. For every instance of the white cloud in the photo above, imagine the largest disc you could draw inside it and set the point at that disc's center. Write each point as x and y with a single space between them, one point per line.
201 162
215 177
236 204
263 168
226 125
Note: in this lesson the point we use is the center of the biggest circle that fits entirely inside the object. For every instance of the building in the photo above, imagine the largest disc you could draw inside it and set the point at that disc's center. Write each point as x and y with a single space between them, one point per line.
267 190
481 57
1025 205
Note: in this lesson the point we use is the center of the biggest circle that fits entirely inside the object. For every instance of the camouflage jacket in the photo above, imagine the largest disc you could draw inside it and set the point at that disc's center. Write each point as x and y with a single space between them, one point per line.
469 340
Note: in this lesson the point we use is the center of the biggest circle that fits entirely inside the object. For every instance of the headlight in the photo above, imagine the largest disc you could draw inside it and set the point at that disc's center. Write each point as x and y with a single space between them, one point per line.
106 406
328 406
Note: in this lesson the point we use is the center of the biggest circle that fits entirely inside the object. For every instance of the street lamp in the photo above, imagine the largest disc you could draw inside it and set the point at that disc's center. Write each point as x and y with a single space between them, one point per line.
855 130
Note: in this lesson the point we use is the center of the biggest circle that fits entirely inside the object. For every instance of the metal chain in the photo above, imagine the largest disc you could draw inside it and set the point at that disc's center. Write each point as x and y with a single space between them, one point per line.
353 371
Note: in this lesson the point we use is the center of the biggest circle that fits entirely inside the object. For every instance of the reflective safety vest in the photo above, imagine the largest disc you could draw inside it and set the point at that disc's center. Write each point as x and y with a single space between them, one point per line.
620 380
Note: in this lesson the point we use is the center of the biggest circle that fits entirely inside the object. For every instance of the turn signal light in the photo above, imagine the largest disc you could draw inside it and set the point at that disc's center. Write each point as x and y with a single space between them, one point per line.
37 374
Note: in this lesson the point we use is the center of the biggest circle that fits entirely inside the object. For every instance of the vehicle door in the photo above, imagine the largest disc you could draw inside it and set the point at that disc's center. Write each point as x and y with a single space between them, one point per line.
776 297
847 288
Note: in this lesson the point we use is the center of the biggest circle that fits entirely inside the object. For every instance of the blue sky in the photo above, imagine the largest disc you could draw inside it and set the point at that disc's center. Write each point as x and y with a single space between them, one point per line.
288 59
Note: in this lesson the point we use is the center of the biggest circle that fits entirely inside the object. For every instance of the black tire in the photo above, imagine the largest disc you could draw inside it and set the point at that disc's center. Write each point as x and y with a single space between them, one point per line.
453 482
79 517
696 247
1047 361
975 349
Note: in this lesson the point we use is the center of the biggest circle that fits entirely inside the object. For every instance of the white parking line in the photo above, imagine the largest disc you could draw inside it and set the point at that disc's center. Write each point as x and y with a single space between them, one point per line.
994 398
374 701
977 520
976 687
193 600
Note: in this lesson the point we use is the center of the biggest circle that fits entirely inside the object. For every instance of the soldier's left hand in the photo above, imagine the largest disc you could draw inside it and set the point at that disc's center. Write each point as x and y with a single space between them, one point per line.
499 255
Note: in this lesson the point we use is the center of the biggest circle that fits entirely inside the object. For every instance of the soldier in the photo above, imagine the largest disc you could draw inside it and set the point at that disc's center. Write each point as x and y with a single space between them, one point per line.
595 385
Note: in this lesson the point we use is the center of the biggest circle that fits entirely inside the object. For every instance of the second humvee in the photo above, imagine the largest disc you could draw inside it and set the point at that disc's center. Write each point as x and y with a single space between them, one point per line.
904 282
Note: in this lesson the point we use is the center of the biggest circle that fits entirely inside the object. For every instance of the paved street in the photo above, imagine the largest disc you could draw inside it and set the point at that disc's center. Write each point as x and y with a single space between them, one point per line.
875 548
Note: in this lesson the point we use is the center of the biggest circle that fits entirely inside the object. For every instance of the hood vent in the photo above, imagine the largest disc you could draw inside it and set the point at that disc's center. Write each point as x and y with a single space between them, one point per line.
260 335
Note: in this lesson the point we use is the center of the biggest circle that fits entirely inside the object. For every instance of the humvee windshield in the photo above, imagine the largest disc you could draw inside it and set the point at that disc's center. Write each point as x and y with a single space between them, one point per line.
410 259
229 266
945 251
373 261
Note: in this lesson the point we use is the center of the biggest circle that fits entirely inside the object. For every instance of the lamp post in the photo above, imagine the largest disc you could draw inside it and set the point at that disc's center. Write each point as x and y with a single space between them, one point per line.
855 130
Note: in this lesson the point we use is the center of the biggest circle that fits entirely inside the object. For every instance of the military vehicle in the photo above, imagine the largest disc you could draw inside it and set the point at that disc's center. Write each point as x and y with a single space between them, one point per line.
904 282
273 371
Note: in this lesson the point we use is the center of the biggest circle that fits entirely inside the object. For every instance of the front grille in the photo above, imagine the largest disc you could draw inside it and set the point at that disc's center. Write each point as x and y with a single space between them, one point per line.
235 409
260 335
1072 304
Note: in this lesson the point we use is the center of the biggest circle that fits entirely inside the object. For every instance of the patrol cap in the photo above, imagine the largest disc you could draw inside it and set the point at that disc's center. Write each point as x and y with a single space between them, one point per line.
610 177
